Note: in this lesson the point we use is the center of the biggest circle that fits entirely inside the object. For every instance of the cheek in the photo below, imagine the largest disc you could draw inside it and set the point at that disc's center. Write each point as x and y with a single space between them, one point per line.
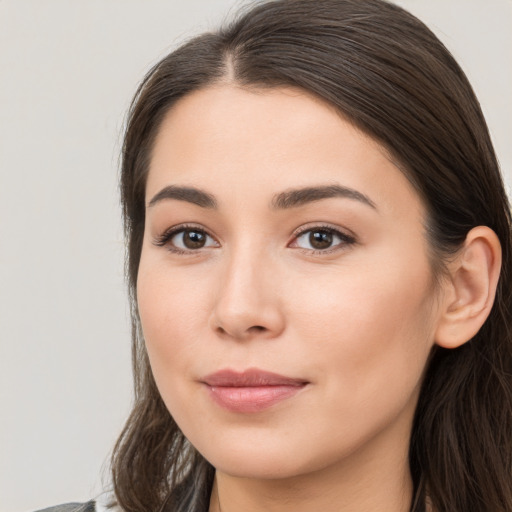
174 320
369 332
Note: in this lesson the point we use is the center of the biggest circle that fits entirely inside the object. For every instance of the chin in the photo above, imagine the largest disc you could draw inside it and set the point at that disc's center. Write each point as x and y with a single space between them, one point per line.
261 467
254 456
270 459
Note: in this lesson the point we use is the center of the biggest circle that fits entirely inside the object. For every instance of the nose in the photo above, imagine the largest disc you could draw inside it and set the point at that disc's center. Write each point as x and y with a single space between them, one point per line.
247 304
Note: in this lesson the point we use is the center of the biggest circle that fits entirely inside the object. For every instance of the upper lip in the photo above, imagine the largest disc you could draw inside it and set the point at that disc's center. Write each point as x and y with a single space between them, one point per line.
252 377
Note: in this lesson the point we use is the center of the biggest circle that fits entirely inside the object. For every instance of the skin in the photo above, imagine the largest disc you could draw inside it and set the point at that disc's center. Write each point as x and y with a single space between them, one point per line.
356 321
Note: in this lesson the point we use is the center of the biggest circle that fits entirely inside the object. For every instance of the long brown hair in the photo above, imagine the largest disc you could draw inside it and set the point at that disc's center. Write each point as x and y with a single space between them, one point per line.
387 73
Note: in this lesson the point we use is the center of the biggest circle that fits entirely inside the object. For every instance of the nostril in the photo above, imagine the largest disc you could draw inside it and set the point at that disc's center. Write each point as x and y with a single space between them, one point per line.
247 333
251 330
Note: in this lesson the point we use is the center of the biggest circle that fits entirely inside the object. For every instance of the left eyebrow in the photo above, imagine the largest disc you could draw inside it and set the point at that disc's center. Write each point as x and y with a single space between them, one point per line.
300 196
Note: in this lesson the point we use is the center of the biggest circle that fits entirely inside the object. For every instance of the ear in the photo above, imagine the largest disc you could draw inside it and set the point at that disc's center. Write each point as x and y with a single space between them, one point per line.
471 288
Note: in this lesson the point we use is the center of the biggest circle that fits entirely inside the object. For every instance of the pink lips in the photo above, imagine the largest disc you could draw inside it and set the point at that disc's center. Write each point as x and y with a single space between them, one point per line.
252 390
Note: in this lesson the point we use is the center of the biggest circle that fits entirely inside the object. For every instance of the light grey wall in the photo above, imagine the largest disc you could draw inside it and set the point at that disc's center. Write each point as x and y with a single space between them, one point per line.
67 73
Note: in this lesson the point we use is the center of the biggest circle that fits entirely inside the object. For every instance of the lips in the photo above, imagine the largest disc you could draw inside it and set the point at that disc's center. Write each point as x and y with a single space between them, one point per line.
252 390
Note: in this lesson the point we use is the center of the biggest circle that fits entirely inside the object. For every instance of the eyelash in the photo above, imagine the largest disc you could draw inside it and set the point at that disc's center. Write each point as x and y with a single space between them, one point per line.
346 239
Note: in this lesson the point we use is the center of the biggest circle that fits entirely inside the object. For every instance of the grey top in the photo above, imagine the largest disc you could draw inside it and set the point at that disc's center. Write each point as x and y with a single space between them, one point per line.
90 506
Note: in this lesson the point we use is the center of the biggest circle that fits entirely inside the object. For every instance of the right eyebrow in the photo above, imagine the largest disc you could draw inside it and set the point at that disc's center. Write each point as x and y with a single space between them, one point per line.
190 194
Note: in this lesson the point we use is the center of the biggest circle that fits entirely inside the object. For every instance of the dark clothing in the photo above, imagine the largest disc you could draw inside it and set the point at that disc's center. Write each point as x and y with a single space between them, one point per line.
90 506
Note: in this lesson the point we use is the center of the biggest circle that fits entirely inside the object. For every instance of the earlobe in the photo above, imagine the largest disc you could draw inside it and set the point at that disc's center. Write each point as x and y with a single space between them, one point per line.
471 289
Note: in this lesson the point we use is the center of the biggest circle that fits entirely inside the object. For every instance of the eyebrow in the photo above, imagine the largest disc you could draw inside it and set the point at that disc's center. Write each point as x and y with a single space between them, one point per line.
298 197
292 198
188 194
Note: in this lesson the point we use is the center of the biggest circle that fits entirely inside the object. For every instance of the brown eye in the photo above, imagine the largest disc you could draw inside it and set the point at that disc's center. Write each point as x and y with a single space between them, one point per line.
182 240
193 239
323 239
320 239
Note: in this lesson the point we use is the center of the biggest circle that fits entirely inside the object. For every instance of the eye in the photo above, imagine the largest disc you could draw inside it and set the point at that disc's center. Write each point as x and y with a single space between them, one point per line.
322 239
185 239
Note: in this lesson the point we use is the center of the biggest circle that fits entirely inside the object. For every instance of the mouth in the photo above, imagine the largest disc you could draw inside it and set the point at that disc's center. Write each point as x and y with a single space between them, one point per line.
252 390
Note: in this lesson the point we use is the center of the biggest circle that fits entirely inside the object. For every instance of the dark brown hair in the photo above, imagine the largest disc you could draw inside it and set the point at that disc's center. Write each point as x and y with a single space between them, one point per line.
387 73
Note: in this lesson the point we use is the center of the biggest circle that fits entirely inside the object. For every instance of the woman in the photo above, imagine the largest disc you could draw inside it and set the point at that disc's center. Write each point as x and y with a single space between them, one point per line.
319 263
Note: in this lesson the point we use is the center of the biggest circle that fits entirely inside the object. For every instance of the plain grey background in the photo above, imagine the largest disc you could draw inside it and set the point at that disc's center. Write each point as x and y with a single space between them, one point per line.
68 69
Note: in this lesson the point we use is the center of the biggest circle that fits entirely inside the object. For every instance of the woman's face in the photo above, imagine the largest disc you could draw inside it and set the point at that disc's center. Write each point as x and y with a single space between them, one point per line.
281 239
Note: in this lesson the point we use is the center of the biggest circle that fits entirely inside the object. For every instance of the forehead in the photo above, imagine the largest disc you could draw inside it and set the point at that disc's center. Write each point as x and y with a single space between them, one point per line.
228 139
254 118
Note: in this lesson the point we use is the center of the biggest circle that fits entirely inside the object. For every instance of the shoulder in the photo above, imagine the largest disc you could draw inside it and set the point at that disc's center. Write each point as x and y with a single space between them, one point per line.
90 506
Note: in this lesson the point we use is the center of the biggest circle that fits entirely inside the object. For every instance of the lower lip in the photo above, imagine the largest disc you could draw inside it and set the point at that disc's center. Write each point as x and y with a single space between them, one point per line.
251 398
